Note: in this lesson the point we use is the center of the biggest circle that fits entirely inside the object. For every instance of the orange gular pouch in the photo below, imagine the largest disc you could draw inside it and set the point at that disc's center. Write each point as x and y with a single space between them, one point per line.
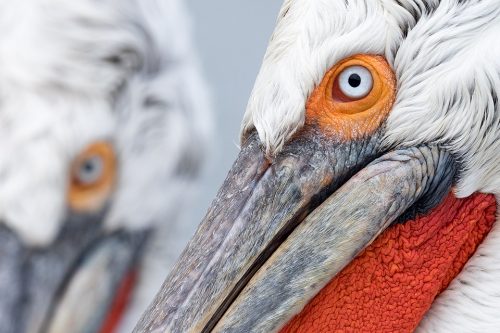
393 282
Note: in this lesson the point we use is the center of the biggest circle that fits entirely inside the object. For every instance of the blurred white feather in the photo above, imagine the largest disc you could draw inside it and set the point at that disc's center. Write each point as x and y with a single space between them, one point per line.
72 72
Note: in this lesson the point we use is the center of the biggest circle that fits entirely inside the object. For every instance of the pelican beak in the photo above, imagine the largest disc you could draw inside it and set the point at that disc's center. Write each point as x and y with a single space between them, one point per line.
280 229
78 283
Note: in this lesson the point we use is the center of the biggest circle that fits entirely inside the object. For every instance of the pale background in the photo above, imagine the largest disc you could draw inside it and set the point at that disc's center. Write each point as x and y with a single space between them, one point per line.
231 37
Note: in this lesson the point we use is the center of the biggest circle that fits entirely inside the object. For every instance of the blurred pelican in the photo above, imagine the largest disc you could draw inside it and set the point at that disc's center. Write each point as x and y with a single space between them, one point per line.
103 126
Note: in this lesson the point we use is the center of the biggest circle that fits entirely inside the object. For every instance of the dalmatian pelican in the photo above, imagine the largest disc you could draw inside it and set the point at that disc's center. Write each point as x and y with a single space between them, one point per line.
364 196
103 125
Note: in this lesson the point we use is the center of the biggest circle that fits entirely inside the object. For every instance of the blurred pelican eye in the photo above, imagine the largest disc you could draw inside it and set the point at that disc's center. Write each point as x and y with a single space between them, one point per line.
90 170
92 179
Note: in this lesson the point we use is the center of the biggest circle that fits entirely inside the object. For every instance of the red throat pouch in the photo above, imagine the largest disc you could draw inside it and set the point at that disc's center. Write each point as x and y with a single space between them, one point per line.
393 282
120 303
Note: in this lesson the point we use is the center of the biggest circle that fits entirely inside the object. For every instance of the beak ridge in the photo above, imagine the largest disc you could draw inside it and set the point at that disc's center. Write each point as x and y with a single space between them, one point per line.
259 204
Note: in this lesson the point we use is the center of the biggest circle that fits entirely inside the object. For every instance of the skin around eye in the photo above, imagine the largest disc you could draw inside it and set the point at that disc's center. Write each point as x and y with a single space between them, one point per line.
354 97
92 177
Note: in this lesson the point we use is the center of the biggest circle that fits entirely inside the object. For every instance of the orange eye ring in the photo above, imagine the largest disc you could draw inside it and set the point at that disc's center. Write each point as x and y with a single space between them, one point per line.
92 178
361 112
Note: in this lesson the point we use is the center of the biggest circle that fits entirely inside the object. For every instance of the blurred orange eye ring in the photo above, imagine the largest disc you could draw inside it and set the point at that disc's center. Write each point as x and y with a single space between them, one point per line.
92 178
354 97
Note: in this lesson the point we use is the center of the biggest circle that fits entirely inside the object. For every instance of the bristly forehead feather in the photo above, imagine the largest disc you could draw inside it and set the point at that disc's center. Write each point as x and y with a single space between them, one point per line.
446 60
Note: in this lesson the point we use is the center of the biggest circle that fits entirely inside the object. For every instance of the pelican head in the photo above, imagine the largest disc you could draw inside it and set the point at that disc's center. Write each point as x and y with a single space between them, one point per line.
353 204
103 122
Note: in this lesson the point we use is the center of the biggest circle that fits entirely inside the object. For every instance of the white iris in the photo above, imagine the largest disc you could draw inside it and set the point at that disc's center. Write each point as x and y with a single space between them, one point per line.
90 170
355 82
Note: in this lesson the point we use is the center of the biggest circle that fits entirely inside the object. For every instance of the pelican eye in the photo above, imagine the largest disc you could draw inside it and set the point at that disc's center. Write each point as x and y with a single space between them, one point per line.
92 178
354 97
354 83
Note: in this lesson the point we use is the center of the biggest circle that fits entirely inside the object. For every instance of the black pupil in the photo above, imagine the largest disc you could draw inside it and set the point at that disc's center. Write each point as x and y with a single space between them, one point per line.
354 80
88 166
